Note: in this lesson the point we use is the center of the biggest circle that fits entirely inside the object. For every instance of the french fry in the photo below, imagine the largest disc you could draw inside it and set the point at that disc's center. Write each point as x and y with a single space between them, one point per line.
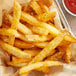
27 38
56 32
48 49
21 27
52 30
29 19
35 6
42 45
11 40
22 44
47 16
56 56
43 7
70 38
8 32
19 60
34 38
46 2
68 53
11 32
4 38
38 65
61 49
27 9
16 15
46 70
39 30
25 30
32 52
14 51
33 21
64 43
16 65
15 21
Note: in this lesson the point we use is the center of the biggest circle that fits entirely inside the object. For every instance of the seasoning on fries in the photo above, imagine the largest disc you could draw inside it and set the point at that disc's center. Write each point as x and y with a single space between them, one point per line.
32 40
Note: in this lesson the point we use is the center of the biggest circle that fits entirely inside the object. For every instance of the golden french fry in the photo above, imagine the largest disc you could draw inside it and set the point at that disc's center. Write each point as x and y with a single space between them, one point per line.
34 38
14 51
56 32
46 2
25 30
48 49
11 40
15 21
27 38
37 65
16 65
27 9
64 43
32 52
16 15
68 53
42 44
35 6
43 7
21 27
56 56
29 19
33 21
46 69
60 49
52 30
8 32
22 44
47 16
18 62
4 38
70 38
11 32
39 30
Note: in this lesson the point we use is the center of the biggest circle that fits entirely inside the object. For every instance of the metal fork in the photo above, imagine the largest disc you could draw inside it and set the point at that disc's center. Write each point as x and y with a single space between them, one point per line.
63 19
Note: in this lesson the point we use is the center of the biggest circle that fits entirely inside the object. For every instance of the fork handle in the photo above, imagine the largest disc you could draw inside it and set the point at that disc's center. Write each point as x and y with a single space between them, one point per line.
63 18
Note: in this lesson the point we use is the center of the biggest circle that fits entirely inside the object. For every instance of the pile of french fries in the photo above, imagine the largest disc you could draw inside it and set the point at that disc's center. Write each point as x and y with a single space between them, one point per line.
29 36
